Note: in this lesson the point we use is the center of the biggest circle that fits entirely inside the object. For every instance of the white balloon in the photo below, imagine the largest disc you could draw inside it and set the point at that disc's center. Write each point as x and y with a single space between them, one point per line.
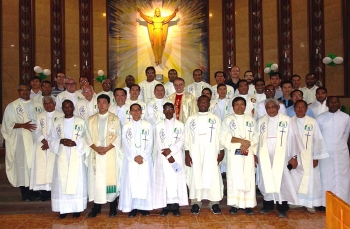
274 67
47 72
100 73
38 69
338 60
267 70
327 60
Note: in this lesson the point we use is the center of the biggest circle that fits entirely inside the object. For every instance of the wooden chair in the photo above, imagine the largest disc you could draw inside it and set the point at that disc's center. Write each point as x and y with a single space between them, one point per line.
337 213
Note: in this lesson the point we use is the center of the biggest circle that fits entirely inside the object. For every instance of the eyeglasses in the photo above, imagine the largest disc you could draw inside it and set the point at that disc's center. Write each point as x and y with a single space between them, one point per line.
107 83
270 90
70 84
83 81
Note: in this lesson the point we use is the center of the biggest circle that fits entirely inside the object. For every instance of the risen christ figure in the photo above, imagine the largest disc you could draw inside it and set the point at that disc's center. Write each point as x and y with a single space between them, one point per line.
157 27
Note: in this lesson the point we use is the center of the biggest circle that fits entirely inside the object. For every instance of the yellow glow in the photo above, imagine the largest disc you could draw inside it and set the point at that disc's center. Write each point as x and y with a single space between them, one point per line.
104 14
210 15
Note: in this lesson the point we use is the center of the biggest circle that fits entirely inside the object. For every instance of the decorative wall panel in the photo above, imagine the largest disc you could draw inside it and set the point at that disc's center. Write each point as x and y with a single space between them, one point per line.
58 60
316 38
26 40
229 34
285 44
256 38
346 35
85 36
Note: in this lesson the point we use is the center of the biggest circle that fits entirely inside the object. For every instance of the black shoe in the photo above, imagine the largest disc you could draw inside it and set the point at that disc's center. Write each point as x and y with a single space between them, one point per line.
76 215
176 213
144 213
282 214
133 213
62 216
112 213
26 198
321 209
265 210
195 209
94 213
164 212
216 209
248 211
233 211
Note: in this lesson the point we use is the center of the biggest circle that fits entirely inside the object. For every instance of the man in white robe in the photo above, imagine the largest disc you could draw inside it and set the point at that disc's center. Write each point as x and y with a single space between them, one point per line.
335 170
43 159
87 106
147 86
134 95
169 180
260 89
319 106
119 108
17 125
154 108
106 89
69 183
220 78
260 107
250 99
238 140
307 174
169 86
129 81
198 85
70 94
207 92
137 168
249 77
279 146
105 158
203 155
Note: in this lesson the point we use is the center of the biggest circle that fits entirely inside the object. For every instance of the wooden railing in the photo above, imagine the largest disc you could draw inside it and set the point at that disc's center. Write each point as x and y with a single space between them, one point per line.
337 213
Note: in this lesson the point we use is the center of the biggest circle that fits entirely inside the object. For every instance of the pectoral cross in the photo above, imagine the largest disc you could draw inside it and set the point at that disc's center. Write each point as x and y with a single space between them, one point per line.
129 118
307 137
145 139
77 134
250 130
211 130
282 131
176 137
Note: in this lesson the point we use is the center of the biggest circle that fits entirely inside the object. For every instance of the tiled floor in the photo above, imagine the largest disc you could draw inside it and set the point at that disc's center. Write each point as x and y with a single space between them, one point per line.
297 218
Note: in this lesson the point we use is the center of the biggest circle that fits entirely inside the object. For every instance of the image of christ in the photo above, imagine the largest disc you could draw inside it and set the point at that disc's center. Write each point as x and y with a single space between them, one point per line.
157 27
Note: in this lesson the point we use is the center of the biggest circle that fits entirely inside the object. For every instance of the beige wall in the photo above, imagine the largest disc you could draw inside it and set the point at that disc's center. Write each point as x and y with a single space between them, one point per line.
333 40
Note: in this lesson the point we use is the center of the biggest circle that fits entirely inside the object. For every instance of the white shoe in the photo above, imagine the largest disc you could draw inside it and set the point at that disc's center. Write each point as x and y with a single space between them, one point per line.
311 210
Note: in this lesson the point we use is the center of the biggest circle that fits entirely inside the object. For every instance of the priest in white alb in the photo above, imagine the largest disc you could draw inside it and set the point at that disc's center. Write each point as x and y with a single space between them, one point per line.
147 86
43 159
198 85
307 174
137 168
278 149
104 158
335 170
17 125
87 106
134 95
69 93
69 183
169 181
203 153
238 139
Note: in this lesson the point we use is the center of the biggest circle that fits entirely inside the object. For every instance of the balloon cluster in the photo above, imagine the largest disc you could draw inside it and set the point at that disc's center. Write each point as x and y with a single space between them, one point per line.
42 73
101 76
270 68
332 60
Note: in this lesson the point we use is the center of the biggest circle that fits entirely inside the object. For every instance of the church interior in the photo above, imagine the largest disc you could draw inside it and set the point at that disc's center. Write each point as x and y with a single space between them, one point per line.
251 34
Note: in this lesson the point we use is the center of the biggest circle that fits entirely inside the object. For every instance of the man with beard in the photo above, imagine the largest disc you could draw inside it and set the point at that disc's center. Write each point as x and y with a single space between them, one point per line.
310 88
320 105
198 85
169 86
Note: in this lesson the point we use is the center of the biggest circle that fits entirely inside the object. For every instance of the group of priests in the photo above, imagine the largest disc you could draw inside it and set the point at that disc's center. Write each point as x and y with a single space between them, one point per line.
153 146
